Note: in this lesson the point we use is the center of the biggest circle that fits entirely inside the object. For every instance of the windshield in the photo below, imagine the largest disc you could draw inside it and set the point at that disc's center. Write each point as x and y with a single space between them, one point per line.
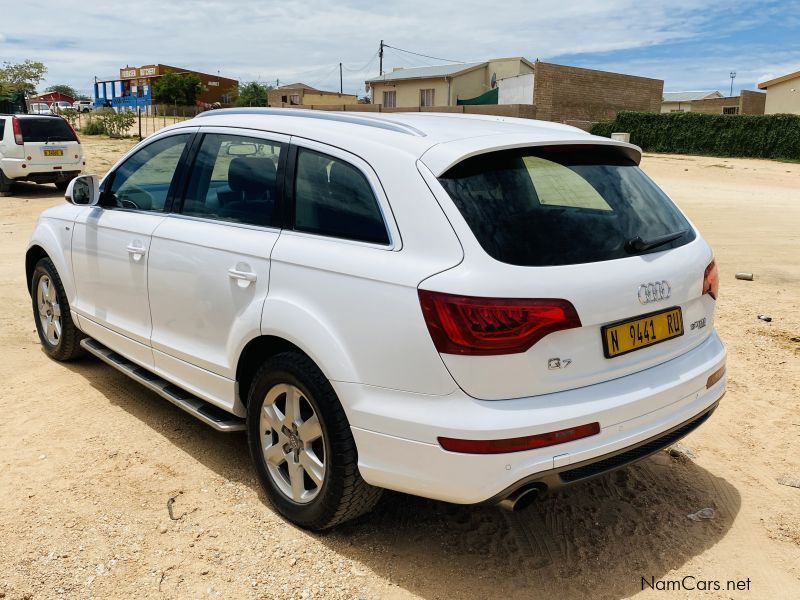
563 205
40 129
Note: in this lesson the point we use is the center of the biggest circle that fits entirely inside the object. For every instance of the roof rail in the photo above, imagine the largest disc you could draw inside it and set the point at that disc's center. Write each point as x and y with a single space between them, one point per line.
361 119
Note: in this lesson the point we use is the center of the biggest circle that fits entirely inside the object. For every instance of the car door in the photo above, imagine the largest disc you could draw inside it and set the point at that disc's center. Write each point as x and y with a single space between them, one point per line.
209 260
111 242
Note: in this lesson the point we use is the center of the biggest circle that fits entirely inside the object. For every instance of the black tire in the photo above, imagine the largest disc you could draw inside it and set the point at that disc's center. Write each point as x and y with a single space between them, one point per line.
62 185
343 495
67 345
5 183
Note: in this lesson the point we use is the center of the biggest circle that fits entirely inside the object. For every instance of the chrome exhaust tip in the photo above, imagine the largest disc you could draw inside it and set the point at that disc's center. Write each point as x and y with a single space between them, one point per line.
521 498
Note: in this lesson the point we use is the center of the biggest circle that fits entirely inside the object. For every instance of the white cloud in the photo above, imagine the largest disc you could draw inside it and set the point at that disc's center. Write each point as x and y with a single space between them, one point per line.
305 40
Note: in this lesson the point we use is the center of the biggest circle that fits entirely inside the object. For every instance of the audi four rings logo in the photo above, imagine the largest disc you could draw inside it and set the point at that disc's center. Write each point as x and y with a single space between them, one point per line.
653 292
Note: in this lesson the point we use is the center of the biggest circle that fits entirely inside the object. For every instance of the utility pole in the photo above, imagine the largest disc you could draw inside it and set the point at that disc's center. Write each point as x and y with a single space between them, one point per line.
380 55
341 84
733 76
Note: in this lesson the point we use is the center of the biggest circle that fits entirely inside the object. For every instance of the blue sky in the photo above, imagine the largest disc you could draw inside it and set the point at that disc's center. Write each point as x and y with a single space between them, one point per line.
690 44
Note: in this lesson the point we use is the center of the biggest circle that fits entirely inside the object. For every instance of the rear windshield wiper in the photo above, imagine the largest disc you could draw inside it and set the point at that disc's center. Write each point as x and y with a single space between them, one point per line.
637 244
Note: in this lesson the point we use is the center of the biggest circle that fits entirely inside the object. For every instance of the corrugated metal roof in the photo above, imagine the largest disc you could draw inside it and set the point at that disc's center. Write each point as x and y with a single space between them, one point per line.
689 96
425 72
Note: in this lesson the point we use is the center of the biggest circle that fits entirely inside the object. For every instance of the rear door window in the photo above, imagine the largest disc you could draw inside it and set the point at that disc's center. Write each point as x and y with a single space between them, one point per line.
2 128
46 129
562 205
333 198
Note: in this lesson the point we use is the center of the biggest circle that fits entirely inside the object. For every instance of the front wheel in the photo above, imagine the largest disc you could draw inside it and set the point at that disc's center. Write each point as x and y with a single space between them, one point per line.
58 334
302 447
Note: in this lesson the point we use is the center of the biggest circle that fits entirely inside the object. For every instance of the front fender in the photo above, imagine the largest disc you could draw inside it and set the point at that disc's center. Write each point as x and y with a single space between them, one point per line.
53 236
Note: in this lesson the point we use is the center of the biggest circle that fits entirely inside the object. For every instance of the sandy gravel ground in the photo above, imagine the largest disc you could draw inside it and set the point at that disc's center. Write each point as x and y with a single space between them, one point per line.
88 461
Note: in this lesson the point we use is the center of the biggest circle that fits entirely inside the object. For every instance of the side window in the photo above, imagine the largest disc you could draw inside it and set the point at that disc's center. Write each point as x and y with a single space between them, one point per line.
142 182
2 128
333 198
234 178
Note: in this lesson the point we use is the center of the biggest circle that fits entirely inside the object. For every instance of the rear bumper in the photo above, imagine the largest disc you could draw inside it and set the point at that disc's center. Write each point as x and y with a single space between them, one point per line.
396 432
12 168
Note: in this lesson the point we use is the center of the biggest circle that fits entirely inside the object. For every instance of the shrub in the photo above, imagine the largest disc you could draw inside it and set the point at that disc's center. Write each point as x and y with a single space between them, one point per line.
70 114
110 122
93 126
755 136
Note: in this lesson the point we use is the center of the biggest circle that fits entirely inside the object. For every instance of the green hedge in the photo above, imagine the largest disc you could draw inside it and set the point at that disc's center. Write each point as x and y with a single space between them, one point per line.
756 136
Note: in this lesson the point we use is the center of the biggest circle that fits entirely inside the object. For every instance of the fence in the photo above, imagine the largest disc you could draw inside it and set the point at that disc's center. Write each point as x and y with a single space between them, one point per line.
148 120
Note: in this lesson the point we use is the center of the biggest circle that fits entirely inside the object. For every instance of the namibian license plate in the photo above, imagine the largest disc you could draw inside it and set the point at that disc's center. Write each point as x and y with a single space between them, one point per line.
53 152
641 332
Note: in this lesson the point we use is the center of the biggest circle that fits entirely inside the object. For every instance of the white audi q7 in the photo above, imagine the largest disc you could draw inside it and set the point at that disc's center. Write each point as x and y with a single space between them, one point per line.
467 308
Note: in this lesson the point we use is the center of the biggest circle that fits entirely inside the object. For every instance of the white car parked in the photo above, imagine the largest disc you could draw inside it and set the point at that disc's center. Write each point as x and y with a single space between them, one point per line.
43 149
468 308
40 108
83 106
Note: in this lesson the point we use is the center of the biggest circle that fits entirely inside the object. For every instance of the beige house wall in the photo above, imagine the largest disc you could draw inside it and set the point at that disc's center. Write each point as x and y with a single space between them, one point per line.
408 91
506 68
781 98
469 85
310 98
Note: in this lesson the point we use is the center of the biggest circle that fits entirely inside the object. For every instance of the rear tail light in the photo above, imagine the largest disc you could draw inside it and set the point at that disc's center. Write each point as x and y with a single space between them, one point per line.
18 139
711 280
488 326
519 444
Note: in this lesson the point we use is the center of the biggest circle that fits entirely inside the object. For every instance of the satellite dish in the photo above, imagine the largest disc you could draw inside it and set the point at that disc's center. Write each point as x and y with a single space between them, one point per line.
494 80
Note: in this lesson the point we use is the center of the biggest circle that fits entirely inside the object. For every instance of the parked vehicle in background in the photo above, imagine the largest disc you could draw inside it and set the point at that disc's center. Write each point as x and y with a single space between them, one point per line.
40 108
60 106
467 308
83 105
38 148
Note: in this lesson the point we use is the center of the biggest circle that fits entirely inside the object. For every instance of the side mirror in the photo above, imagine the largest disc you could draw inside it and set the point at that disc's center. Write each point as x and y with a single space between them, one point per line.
83 191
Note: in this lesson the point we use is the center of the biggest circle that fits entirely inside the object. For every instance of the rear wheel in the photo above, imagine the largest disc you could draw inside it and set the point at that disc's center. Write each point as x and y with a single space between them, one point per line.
58 334
302 447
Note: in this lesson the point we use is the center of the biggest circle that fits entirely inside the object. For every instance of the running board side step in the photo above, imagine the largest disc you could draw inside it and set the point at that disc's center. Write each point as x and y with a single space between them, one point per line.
198 408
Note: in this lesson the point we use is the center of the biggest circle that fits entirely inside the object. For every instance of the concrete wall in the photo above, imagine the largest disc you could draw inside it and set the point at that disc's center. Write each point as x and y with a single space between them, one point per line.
781 98
752 103
516 90
715 105
668 107
584 95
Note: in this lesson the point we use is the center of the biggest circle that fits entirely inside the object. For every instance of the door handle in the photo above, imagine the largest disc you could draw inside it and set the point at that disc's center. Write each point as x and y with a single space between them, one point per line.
242 275
136 251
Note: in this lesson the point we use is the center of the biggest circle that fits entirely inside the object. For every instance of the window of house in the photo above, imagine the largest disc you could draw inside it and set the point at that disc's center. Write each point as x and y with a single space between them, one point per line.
390 99
333 198
284 99
426 97
294 99
234 178
730 110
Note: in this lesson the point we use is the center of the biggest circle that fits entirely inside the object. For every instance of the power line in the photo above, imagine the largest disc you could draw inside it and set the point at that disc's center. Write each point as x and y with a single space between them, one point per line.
423 55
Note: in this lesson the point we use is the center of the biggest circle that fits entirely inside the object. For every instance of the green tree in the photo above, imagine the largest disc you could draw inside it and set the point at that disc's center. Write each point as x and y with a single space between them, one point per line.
63 88
21 77
177 88
252 94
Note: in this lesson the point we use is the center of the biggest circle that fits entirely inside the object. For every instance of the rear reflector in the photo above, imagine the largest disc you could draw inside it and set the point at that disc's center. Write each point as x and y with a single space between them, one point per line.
715 376
519 444
489 326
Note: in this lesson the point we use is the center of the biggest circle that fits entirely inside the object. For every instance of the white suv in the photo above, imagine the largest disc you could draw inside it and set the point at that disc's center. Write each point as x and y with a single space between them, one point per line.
468 308
43 149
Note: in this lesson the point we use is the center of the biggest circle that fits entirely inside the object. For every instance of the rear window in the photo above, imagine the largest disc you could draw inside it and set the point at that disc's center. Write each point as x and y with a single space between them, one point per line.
2 128
45 129
563 205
